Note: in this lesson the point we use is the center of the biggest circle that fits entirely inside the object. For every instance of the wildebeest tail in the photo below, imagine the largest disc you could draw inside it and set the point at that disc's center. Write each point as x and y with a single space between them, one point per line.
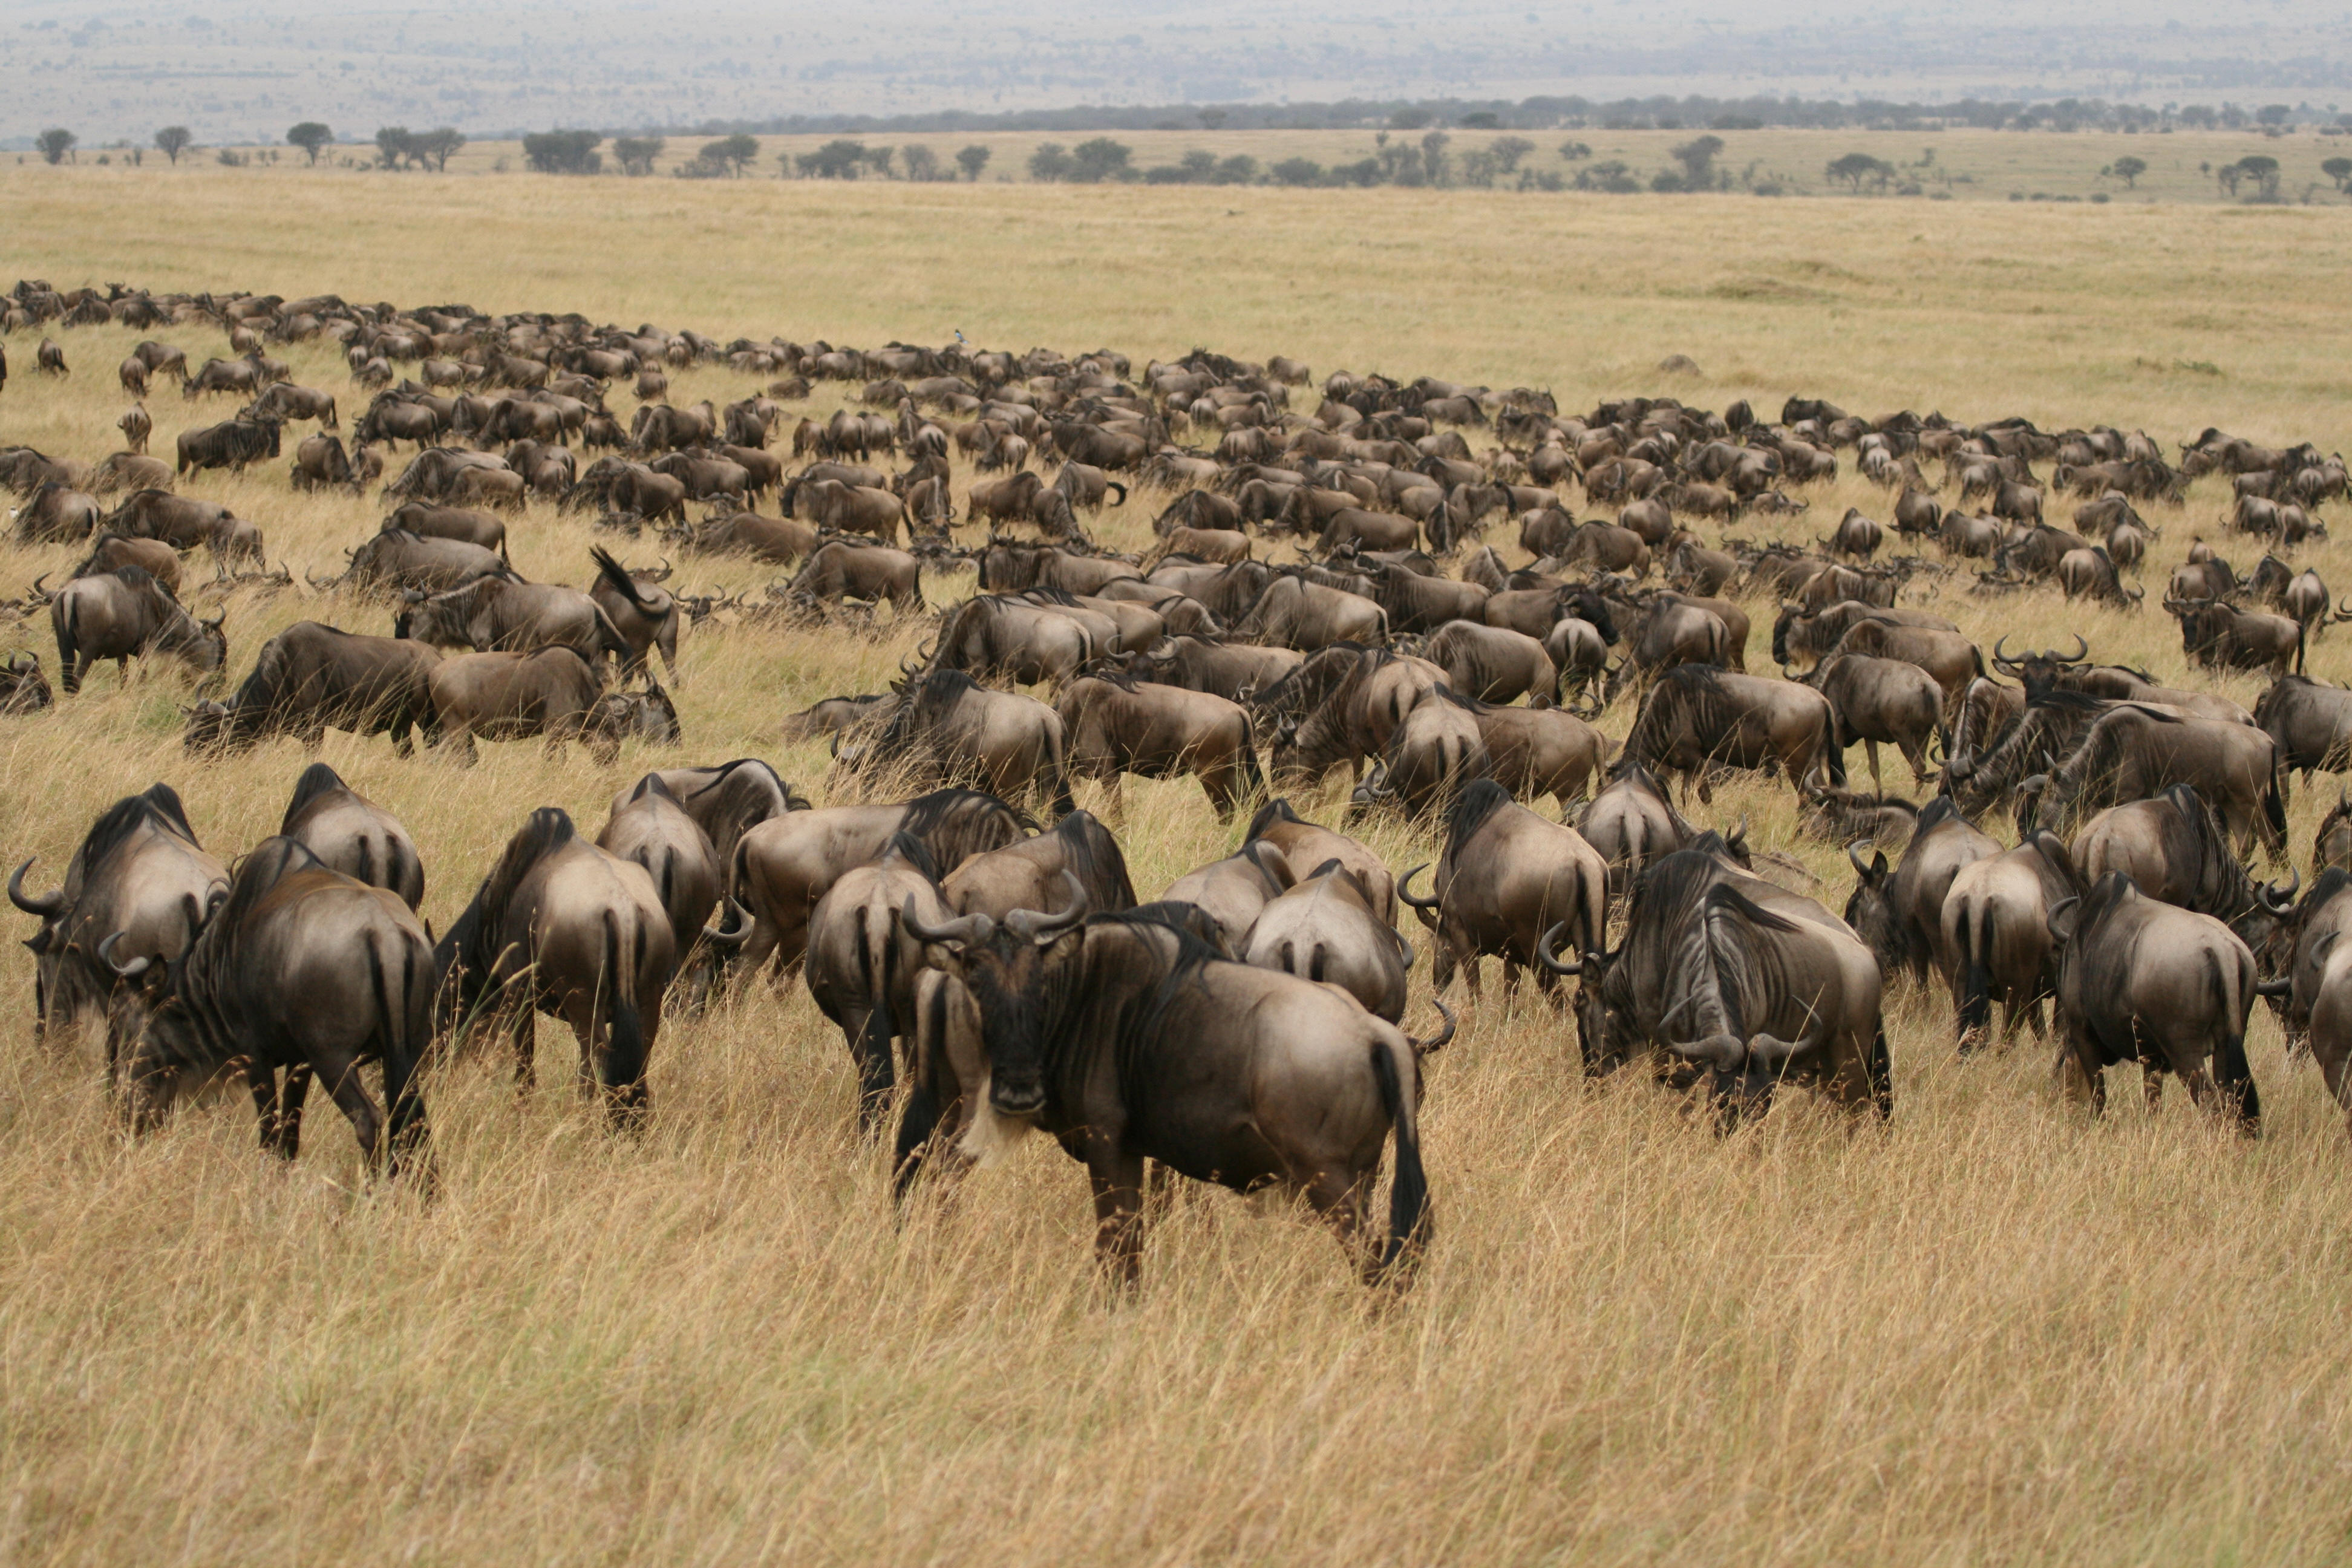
2231 1076
1253 775
876 1071
2274 798
2302 635
62 621
1976 974
403 1034
1409 1195
623 1067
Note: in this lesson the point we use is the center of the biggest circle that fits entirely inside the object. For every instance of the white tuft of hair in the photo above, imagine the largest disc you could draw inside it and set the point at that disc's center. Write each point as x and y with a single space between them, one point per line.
990 1135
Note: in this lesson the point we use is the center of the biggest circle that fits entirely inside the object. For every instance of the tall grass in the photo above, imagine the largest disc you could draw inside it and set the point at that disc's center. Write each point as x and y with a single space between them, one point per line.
1994 1330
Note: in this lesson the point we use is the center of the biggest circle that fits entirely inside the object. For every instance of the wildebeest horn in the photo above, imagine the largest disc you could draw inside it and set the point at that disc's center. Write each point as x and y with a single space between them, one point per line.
1042 927
131 970
212 622
970 927
1404 888
1855 860
1768 1050
47 906
1425 1048
1999 659
2082 651
1544 953
729 911
1724 1051
2280 903
2284 987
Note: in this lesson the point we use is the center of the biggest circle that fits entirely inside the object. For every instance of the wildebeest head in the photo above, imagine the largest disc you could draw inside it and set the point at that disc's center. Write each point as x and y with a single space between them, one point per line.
1870 912
1012 970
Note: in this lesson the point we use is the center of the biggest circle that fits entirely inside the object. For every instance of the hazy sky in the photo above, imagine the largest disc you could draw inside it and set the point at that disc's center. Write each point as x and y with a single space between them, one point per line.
111 69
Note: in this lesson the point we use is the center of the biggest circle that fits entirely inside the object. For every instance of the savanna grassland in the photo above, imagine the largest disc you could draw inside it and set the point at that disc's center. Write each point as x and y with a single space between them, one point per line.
1992 1332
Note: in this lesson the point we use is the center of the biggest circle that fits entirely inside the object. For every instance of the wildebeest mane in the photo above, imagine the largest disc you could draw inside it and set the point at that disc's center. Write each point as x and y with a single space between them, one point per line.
1094 858
1269 813
469 937
159 803
913 851
616 576
957 824
1045 593
1480 800
317 779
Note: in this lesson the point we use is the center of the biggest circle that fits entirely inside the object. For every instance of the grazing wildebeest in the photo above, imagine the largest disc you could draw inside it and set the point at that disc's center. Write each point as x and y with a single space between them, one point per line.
649 826
428 520
1325 927
782 867
350 833
397 560
1303 843
1875 699
1491 664
233 446
1004 635
1899 914
862 963
944 729
2141 981
310 678
1996 926
1115 726
725 801
23 688
1695 720
1749 983
551 692
1029 873
140 871
1232 891
1630 823
126 614
1507 876
2132 751
1237 671
1224 1072
563 927
500 614
2222 636
300 968
1296 613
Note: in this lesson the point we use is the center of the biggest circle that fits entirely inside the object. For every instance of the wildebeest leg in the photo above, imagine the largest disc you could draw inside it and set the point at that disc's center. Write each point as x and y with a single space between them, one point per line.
289 1110
522 1030
341 1073
2151 1082
1118 1179
1510 980
261 1081
1877 784
2080 1075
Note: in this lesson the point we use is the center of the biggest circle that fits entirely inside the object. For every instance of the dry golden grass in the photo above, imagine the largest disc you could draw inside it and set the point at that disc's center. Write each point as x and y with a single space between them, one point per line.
1993 1332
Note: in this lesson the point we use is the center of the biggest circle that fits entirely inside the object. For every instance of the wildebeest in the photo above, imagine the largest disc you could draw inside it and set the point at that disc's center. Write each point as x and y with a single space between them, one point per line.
1342 704
1751 985
1296 613
428 520
300 968
502 615
1224 1073
123 615
725 801
1325 927
1114 726
23 688
1490 663
310 678
233 446
1237 671
1695 720
1001 635
140 871
2132 751
1875 699
1232 891
183 522
1898 914
1432 755
1629 822
350 833
944 729
2141 981
862 964
57 513
649 826
397 560
551 692
1029 873
1303 843
839 569
782 867
563 927
1506 877
644 612
2172 847
2222 636
1996 926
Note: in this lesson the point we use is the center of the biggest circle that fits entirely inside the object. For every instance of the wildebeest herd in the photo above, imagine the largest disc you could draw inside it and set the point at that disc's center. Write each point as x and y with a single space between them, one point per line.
1324 588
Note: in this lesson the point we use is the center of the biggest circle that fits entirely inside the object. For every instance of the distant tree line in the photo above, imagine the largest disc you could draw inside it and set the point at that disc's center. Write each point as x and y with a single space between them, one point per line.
1549 113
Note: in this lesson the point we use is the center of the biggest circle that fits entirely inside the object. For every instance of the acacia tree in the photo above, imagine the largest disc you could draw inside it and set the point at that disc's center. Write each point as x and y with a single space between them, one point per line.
1856 167
637 153
2338 170
1697 158
436 145
395 145
2128 170
735 152
2263 170
174 140
973 160
310 136
56 142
